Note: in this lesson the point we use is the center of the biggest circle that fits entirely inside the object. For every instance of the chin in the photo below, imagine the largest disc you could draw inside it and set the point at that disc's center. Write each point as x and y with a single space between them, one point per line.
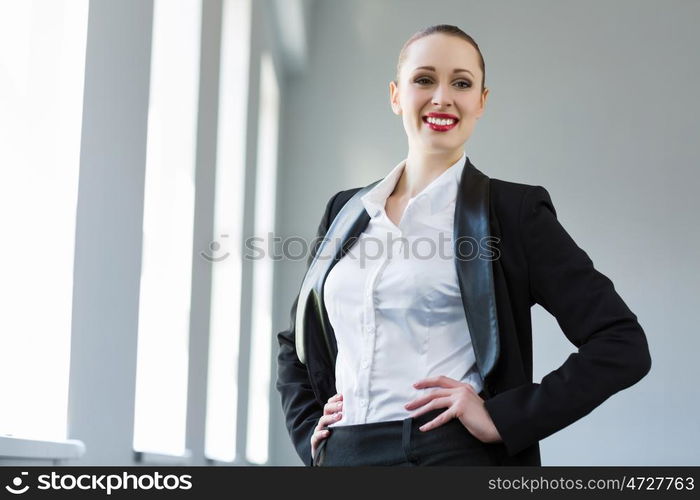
442 146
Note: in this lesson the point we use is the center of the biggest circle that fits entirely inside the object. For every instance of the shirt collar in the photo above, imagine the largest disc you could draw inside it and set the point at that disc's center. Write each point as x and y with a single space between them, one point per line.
438 194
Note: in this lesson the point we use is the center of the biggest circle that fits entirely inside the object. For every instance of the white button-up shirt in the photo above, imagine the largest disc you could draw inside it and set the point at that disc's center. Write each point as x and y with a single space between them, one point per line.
395 305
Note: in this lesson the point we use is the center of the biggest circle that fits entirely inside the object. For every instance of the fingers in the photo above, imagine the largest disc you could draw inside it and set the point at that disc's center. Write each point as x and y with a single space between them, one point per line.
433 405
427 398
337 397
440 381
444 417
332 407
326 420
316 438
331 413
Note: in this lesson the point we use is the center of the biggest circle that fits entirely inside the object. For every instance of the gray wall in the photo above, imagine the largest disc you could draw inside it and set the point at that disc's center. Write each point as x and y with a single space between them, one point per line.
597 102
108 235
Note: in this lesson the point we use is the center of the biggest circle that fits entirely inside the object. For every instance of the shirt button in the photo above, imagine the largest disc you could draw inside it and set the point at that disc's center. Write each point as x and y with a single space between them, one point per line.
365 364
363 403
370 329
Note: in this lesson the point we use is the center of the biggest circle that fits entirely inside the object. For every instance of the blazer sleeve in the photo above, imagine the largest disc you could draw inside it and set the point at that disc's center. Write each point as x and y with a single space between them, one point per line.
301 409
612 348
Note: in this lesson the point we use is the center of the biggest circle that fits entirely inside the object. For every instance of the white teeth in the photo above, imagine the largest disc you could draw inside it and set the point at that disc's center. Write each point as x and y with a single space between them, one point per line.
440 121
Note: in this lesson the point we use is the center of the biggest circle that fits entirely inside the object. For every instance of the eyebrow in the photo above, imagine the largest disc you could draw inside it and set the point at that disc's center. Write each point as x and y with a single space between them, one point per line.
432 68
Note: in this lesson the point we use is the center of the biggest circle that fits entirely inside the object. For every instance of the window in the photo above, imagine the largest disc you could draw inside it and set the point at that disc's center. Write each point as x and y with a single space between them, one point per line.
42 65
261 331
166 268
226 249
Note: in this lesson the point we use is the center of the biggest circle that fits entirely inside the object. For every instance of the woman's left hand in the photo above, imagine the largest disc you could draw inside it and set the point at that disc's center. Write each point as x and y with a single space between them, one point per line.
461 401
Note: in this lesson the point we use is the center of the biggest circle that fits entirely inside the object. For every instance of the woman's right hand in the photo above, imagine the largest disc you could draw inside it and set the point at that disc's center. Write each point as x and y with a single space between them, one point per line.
332 412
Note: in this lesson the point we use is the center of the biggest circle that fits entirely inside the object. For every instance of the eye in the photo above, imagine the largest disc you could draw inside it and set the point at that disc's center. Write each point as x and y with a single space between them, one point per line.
462 84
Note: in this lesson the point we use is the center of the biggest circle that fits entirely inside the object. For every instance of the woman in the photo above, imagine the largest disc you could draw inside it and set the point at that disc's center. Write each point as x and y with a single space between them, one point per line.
410 341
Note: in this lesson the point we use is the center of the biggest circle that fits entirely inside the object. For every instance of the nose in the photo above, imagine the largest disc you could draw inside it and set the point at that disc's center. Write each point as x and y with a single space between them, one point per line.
442 96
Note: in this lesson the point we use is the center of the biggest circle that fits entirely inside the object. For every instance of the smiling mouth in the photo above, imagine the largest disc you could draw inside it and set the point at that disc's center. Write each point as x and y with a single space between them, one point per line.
440 124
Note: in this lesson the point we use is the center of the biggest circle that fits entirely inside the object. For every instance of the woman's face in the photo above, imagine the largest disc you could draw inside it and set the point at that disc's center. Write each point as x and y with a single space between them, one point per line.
440 75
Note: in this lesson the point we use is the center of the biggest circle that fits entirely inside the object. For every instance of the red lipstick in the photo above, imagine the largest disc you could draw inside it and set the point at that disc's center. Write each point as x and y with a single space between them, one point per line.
442 125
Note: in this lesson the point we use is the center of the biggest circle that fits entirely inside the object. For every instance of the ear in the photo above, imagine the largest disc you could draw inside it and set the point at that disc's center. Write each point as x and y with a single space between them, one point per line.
484 94
394 97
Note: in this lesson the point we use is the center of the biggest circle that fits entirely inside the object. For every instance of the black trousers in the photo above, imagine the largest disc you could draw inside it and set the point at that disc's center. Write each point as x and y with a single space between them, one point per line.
401 442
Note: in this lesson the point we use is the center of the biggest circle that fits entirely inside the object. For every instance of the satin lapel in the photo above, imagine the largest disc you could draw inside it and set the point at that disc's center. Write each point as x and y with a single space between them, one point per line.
351 220
474 271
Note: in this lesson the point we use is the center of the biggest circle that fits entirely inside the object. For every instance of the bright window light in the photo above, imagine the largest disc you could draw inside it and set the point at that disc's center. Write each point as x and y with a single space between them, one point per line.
42 69
261 331
225 252
166 269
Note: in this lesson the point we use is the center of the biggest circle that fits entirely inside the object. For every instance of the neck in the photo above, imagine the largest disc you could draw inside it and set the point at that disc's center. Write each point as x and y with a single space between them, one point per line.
421 169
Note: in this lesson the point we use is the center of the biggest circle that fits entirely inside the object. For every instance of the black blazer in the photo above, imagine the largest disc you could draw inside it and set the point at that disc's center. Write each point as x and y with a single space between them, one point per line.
525 256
